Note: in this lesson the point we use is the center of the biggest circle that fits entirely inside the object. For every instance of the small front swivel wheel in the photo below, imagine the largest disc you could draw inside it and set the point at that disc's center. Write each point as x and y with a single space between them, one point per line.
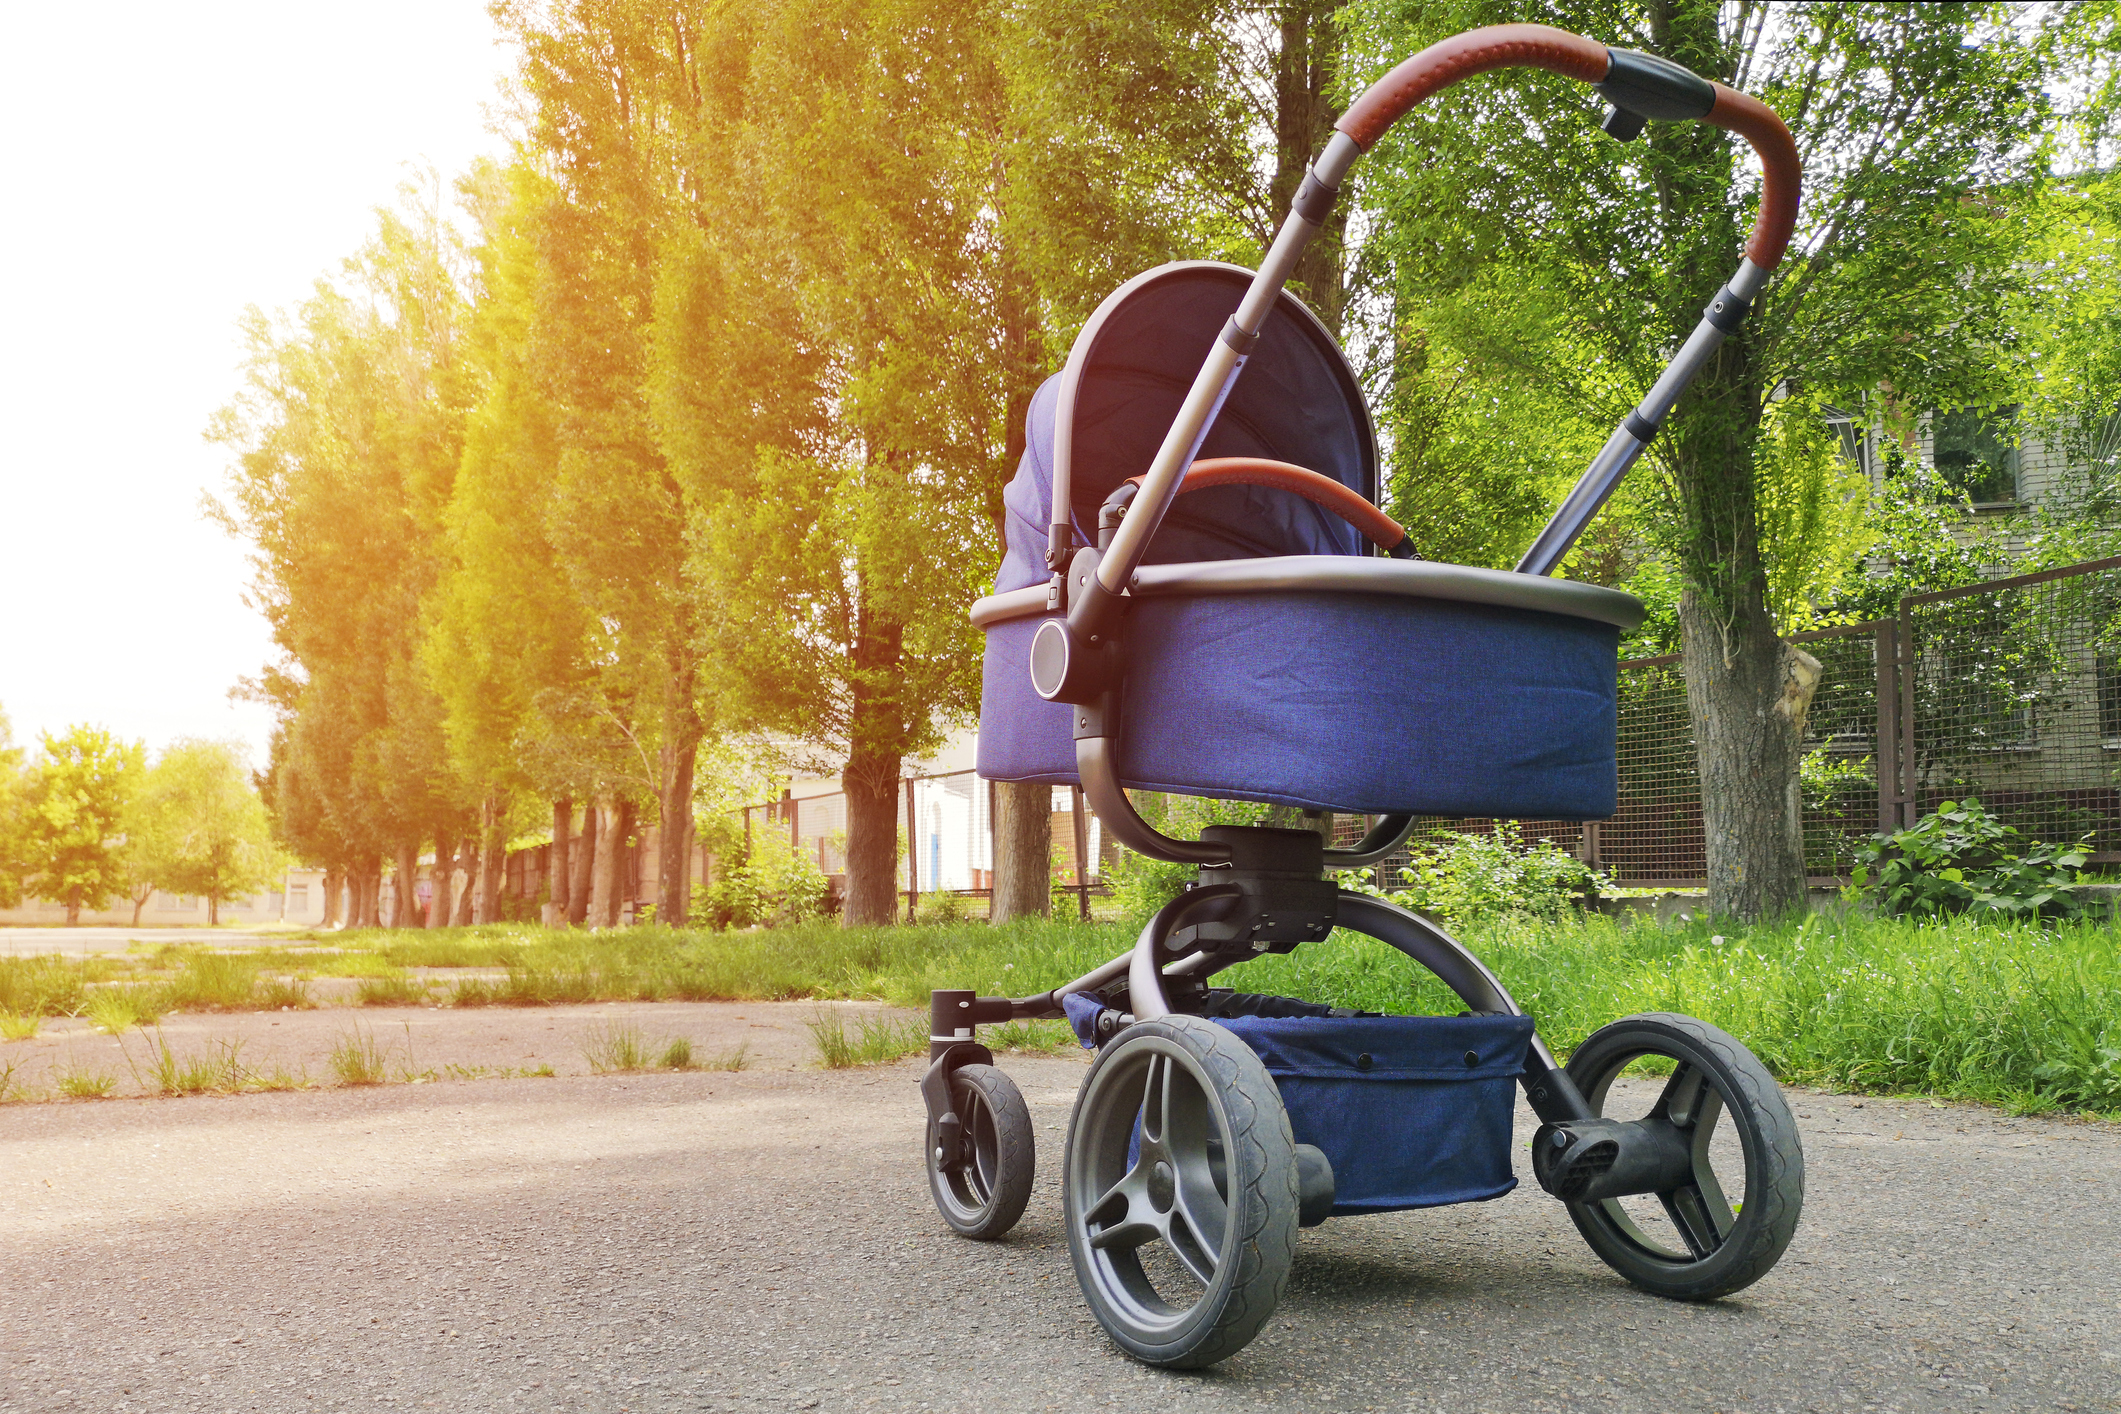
983 1193
1725 1222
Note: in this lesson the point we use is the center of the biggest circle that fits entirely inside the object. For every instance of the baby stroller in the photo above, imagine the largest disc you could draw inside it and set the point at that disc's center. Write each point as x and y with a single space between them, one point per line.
1244 622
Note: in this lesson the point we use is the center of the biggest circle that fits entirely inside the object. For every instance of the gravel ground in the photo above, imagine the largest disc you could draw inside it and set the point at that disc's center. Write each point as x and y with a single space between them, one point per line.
764 1241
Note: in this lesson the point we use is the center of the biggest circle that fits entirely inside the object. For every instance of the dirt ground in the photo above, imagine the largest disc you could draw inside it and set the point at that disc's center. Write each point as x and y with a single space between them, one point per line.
764 1240
432 1042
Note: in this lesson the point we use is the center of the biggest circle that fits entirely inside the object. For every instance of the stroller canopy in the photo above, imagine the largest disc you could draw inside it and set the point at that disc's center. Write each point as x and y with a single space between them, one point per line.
1099 421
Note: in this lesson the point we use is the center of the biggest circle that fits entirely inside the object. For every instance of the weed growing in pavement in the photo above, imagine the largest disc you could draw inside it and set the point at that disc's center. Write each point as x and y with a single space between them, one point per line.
677 1055
80 1083
284 994
19 1026
875 1039
735 1059
615 1046
214 981
394 990
167 1073
117 1010
358 1059
278 1078
48 985
8 1089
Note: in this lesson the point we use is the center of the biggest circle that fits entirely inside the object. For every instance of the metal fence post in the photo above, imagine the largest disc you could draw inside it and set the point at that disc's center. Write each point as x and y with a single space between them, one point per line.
1910 806
1888 769
913 855
1082 848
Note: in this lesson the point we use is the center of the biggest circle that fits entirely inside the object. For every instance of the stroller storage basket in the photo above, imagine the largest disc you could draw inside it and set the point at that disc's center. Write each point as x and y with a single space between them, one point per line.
1413 1111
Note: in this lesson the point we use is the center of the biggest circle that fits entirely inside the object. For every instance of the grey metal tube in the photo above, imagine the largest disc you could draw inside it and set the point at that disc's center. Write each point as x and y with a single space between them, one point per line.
1382 838
1145 984
1620 451
1212 384
1095 768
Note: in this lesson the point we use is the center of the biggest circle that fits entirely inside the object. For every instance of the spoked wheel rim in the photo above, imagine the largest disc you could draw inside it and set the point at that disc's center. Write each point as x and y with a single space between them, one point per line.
969 1184
1148 1191
1700 1210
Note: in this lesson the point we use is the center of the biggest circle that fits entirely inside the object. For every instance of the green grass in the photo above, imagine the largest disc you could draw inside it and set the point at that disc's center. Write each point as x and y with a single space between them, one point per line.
214 981
394 989
618 1047
168 1073
357 1058
19 1026
80 1083
874 1041
117 1010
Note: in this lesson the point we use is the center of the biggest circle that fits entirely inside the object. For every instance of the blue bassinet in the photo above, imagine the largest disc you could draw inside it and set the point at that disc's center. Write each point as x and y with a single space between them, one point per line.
1270 658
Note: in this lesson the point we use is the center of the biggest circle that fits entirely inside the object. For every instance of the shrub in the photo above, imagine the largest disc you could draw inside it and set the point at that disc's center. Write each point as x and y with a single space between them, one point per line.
1960 858
1460 879
772 886
1141 885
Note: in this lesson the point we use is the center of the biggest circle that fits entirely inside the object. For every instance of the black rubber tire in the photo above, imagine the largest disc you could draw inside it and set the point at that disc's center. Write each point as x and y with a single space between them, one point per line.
1216 1152
982 1197
1773 1155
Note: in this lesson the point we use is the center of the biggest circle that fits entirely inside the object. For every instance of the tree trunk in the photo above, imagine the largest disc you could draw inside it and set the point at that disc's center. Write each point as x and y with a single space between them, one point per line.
405 900
468 868
493 859
1303 125
604 879
585 858
871 782
1023 851
673 874
556 871
213 910
1747 693
140 902
438 884
334 881
73 908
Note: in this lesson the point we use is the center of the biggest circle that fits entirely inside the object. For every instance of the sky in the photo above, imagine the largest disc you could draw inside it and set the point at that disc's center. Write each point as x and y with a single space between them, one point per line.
168 165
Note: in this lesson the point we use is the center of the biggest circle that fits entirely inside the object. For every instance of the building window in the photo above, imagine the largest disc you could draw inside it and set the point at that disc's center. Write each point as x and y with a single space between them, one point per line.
1975 450
298 898
182 903
2109 672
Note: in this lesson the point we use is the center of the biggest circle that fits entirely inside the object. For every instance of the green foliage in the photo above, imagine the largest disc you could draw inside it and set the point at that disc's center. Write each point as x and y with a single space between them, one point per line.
1462 879
74 817
198 826
1960 858
1142 885
875 1039
13 865
770 884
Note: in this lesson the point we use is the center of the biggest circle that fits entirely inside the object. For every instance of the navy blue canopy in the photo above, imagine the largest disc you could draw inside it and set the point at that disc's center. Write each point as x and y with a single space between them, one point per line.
1296 401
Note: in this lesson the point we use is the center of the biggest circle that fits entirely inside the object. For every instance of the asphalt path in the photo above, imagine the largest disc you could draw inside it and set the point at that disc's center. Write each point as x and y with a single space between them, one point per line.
87 941
714 1241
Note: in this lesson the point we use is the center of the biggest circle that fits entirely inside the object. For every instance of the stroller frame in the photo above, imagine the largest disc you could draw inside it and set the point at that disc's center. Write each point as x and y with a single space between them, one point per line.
1269 890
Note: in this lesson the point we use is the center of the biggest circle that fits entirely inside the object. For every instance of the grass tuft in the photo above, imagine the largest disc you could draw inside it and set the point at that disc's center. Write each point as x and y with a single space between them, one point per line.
875 1040
117 1010
357 1058
394 990
79 1083
615 1047
677 1055
19 1026
214 981
168 1073
284 994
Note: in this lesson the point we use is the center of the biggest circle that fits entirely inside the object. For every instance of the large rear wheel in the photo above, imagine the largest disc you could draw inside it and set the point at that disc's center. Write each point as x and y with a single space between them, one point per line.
1727 1222
1181 1192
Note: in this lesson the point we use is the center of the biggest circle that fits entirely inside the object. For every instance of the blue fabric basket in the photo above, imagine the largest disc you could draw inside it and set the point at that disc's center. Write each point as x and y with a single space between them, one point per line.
1405 1118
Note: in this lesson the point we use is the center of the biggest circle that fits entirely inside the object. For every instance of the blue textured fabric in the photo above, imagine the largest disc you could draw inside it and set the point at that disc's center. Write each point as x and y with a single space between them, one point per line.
1351 702
1405 1120
1354 702
1082 1009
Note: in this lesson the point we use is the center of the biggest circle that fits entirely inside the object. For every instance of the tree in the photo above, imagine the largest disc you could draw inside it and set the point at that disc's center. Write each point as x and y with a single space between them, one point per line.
73 820
200 827
12 865
1919 127
347 436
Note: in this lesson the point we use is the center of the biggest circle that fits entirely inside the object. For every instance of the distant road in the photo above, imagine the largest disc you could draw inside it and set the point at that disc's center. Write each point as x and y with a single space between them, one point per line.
79 942
678 1244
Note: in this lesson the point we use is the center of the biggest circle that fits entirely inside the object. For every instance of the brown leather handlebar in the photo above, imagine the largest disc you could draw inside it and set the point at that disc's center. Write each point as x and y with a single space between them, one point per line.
1782 176
1460 57
1377 527
1543 47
